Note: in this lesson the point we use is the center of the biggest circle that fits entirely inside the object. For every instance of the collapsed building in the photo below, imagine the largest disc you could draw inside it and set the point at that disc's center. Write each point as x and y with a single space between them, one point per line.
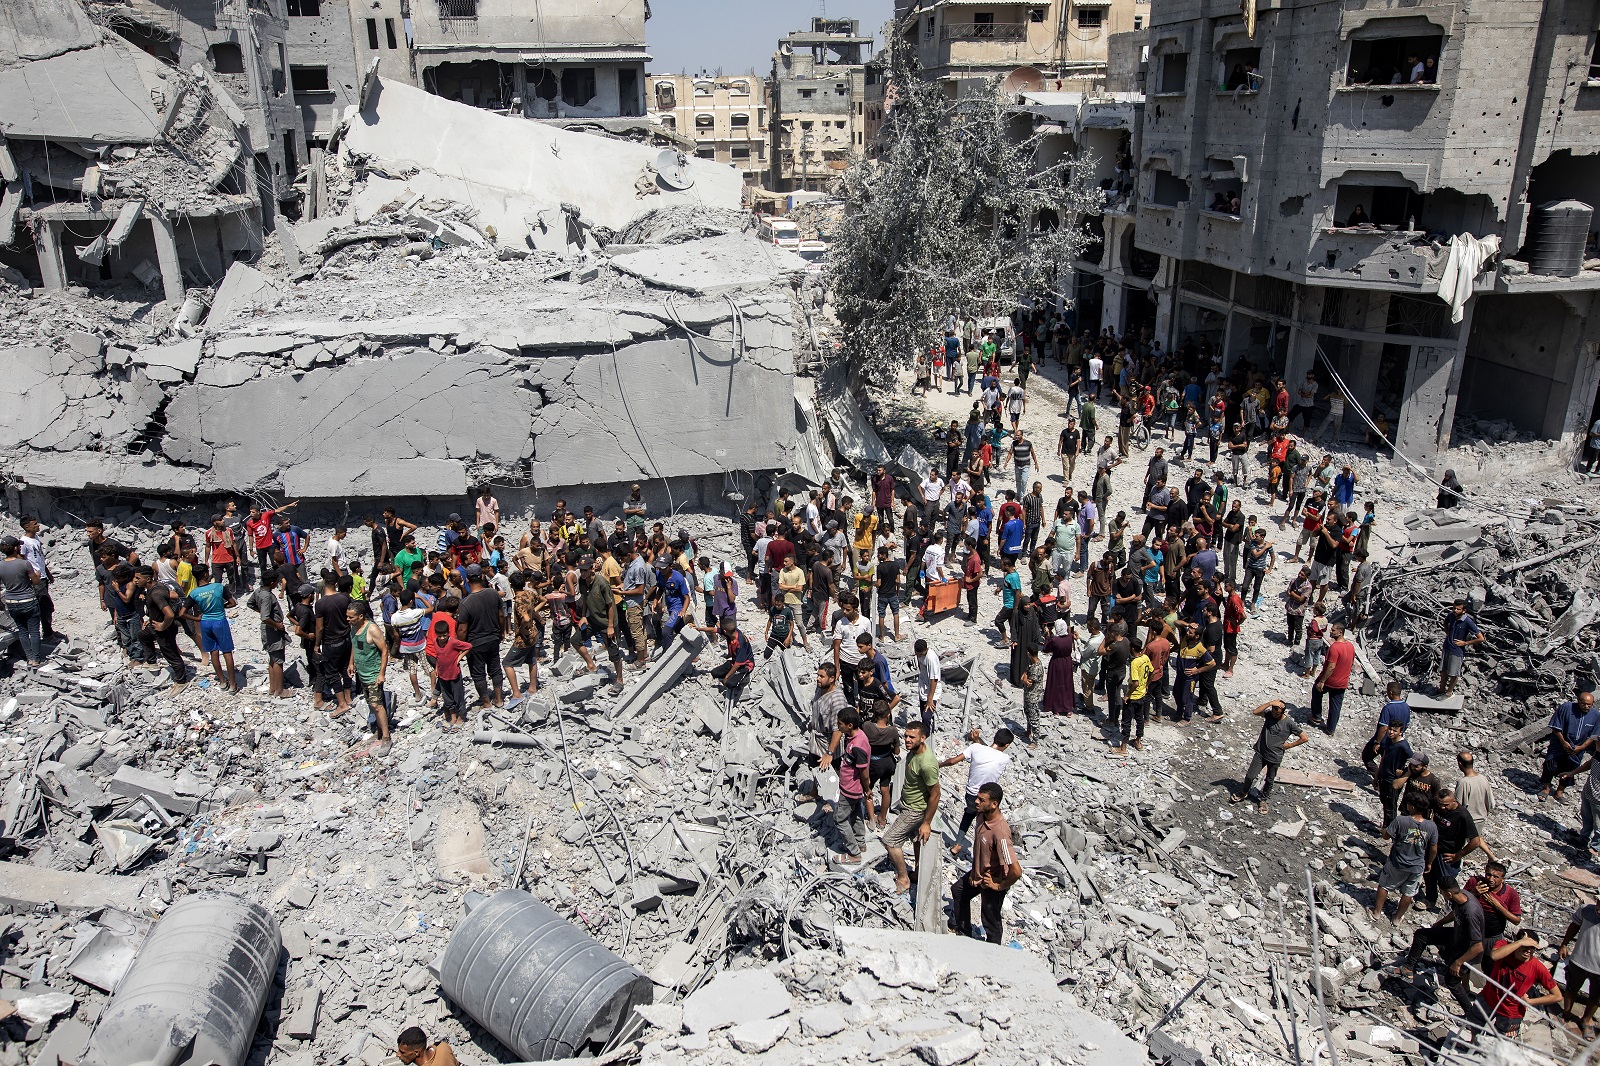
471 298
1391 192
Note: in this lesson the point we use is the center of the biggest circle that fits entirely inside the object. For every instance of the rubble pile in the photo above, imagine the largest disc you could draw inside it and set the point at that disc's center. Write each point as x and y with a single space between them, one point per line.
1532 586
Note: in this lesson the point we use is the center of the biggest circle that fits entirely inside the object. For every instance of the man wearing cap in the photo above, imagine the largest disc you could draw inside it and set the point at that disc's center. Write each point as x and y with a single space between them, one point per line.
634 511
478 622
600 615
449 533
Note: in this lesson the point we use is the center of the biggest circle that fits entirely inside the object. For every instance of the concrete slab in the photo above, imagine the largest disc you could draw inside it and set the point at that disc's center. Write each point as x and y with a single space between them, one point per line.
735 997
1436 704
1458 532
26 887
244 291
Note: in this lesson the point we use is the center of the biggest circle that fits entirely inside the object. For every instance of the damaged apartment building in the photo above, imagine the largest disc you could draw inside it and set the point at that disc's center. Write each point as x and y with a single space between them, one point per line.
1401 192
118 164
819 92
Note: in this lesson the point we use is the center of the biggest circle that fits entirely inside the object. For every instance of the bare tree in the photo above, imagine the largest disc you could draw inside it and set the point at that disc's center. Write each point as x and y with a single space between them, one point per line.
956 213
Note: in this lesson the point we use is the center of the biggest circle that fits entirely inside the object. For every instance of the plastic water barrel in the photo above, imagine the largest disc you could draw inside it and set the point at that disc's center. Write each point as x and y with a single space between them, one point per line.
542 986
1557 234
196 989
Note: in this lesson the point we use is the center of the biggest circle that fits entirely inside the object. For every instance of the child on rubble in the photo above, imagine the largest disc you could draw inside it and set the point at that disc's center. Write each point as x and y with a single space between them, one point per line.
450 685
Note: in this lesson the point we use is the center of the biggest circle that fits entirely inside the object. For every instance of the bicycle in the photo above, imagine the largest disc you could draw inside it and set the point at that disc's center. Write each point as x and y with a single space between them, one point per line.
1139 435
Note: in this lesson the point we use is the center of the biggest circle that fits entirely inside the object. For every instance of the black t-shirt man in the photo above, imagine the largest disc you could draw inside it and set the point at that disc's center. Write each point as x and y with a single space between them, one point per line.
331 611
305 616
479 616
1455 829
889 576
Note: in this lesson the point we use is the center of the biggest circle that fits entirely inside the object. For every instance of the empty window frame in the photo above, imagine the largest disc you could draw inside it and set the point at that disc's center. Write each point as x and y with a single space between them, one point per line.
304 8
1167 190
309 79
1174 73
739 88
666 95
577 85
458 9
739 121
1594 57
1036 14
372 34
227 58
388 33
704 122
1409 60
741 151
1090 18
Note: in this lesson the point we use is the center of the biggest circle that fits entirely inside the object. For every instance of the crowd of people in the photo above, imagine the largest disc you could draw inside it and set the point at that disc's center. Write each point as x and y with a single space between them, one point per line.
1125 617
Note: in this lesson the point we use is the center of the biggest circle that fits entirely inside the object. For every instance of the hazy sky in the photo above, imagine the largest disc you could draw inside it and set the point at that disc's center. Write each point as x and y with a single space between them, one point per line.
687 36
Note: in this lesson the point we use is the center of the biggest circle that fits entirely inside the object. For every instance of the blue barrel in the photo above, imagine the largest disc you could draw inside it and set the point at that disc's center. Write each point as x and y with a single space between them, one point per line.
542 986
196 989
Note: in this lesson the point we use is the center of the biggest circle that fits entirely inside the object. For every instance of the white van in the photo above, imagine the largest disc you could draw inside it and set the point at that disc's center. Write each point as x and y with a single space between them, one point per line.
780 231
815 253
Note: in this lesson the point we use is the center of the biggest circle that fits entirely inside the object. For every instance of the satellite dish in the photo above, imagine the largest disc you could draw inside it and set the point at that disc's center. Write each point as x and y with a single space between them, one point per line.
1023 80
785 48
672 167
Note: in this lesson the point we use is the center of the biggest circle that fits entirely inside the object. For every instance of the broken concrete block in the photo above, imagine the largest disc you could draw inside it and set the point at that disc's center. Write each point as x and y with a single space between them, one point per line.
301 896
1423 704
664 673
65 1045
416 979
132 783
754 1038
951 1048
458 845
26 887
673 967
302 1024
734 997
581 689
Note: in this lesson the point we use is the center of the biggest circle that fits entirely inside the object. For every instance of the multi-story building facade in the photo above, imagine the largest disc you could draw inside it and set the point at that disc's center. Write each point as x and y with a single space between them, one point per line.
565 59
725 117
244 45
1309 175
818 104
1040 45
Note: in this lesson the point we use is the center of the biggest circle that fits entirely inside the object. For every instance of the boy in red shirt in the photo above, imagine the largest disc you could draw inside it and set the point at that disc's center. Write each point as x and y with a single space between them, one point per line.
1513 974
450 684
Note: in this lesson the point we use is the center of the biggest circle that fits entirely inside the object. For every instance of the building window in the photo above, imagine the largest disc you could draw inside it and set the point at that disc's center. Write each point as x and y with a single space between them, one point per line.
704 88
577 85
741 151
739 88
309 9
805 125
666 96
227 58
1091 18
1175 72
739 121
669 122
840 88
806 94
388 32
458 9
372 34
704 122
1378 205
309 79
1035 14
927 28
1240 70
1169 191
983 24
1138 22
1594 58
1396 60
706 153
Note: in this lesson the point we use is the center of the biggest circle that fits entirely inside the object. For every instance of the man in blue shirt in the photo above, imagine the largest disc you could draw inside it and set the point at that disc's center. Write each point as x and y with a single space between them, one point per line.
1574 728
1011 535
1396 711
213 600
1460 633
1010 588
1344 487
680 601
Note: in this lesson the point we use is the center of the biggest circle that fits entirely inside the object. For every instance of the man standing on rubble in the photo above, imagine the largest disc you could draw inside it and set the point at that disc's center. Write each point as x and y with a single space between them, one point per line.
216 639
919 802
1276 730
1334 679
1460 944
1460 633
1573 731
995 869
1416 844
32 546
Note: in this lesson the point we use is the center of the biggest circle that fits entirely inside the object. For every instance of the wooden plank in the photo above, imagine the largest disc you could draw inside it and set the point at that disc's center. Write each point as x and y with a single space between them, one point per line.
1286 776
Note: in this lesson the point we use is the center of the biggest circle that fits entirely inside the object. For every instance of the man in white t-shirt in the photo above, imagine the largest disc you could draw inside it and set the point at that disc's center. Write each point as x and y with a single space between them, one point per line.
930 683
846 653
932 490
985 764
336 556
1097 368
1016 403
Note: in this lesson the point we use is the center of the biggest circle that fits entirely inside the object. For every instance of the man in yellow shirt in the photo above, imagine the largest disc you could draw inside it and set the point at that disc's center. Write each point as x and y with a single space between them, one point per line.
1135 709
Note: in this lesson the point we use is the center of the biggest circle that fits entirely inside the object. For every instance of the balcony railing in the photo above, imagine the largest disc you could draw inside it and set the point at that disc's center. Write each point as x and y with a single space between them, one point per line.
984 31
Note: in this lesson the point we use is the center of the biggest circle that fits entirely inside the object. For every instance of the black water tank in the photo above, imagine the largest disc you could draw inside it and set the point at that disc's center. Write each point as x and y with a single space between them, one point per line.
1557 233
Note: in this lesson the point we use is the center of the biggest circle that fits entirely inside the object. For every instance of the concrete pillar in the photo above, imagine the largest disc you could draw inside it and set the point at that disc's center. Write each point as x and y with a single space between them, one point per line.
1164 305
1302 354
1226 348
167 257
52 265
1112 297
1428 407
